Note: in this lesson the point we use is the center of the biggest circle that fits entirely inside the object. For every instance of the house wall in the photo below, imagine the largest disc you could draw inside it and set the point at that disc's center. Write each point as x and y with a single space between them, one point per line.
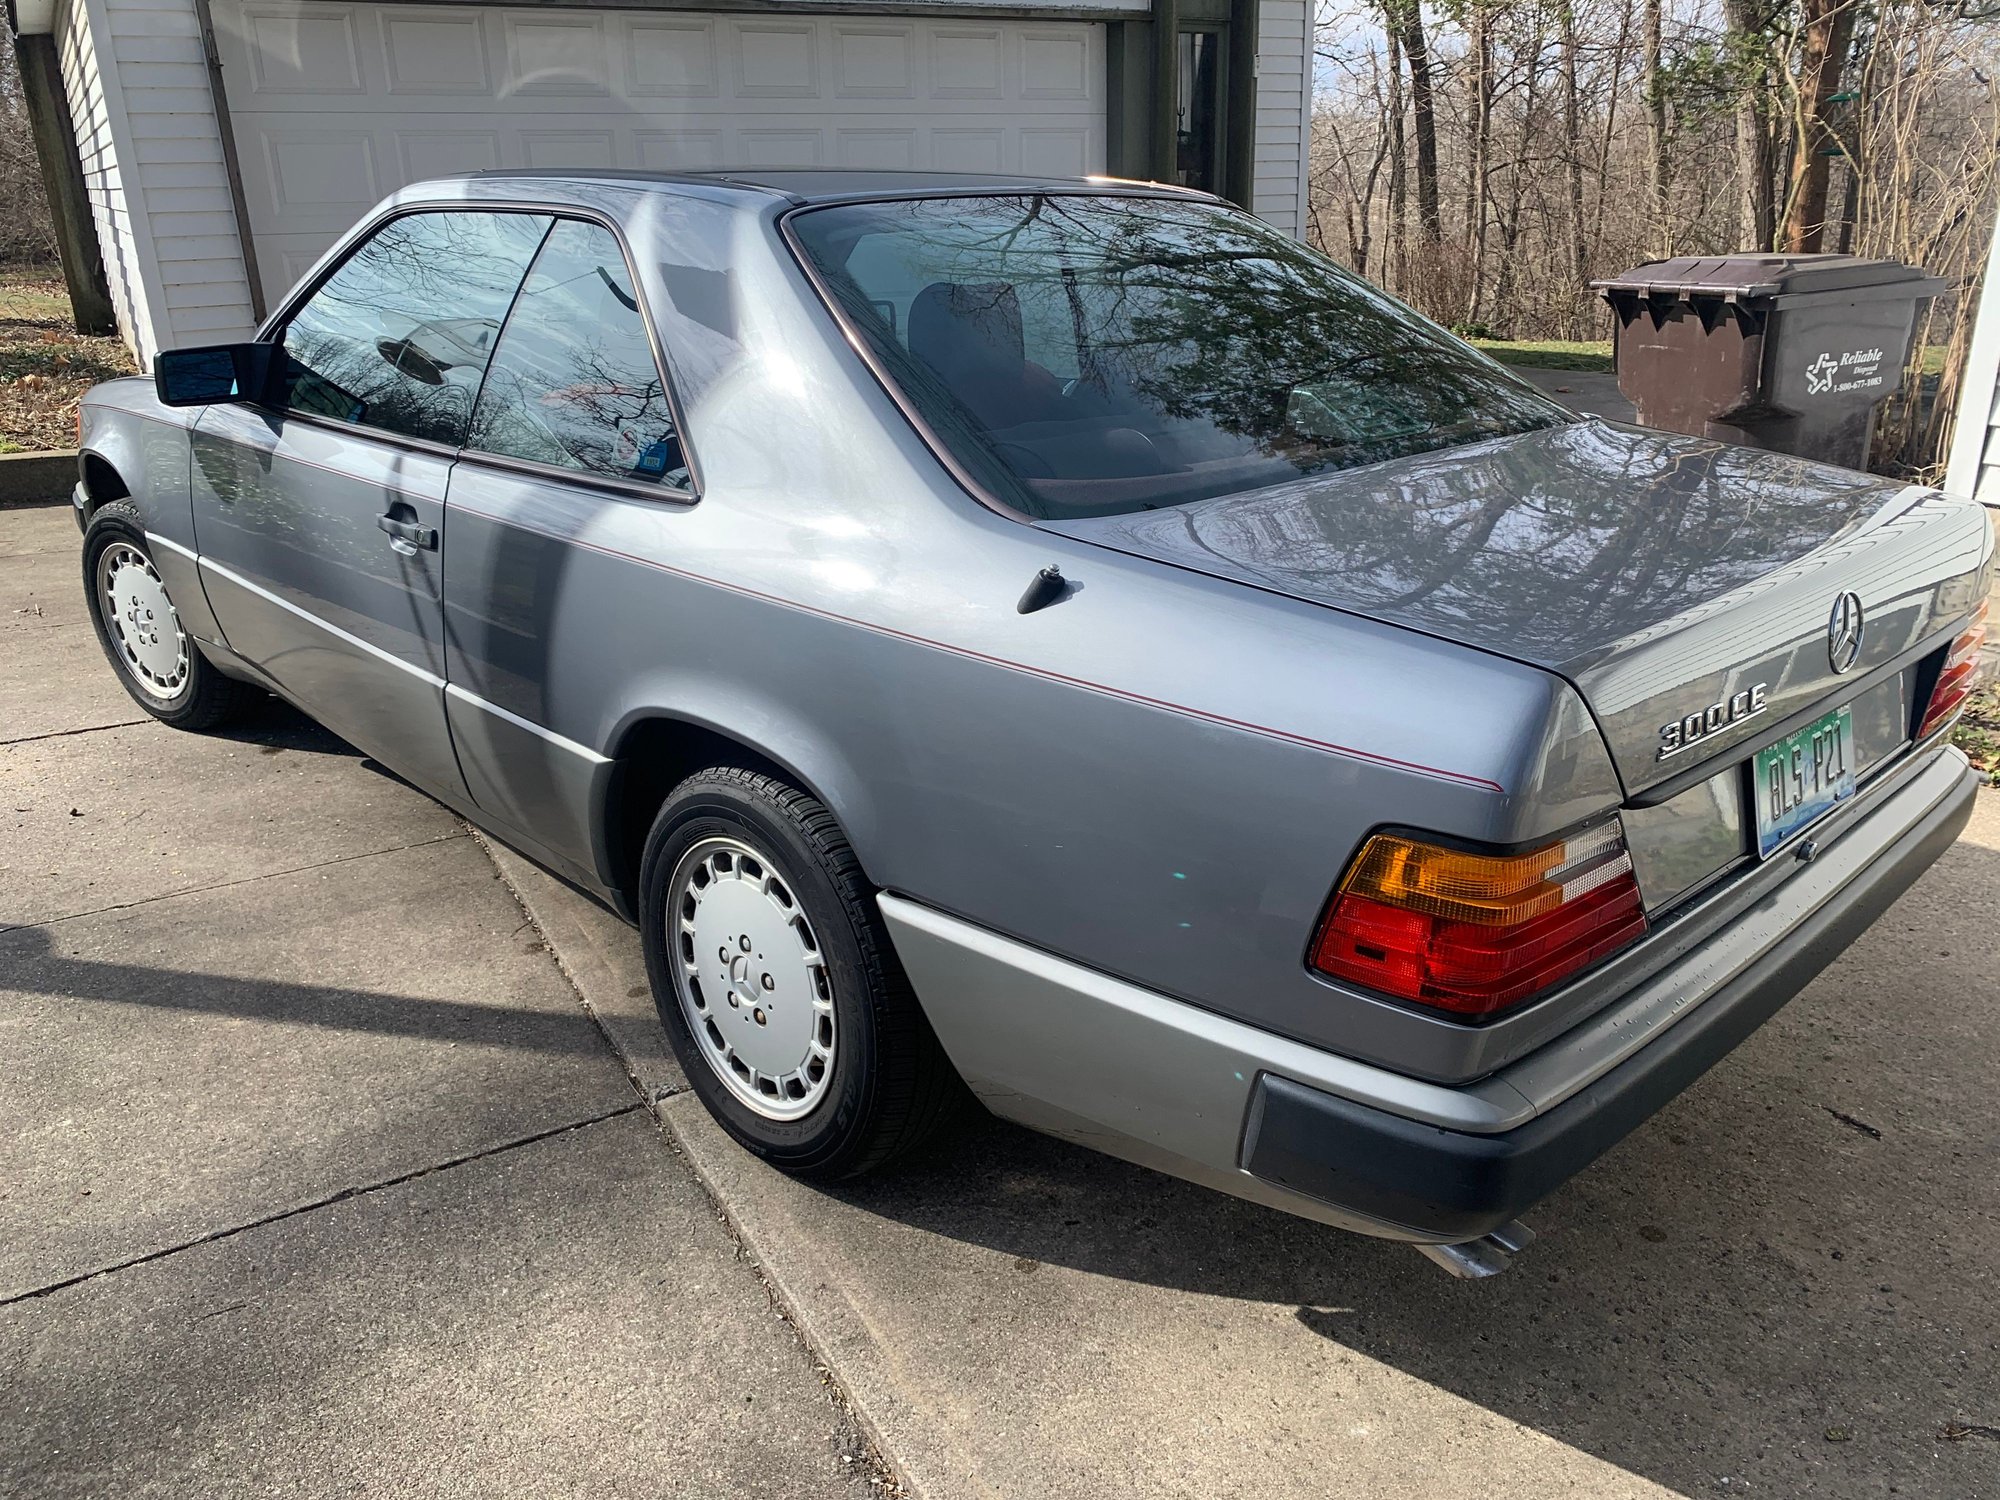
1284 102
90 117
137 82
1974 467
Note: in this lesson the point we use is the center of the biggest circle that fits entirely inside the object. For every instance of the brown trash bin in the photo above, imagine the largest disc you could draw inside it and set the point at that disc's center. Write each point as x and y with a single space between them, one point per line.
1791 352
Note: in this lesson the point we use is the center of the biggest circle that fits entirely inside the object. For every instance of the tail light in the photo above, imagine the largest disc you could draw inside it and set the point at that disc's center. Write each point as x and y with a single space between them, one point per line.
1474 933
1960 674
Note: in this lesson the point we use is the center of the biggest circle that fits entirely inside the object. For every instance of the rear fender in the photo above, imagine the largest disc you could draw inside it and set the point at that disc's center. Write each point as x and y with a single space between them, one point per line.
710 721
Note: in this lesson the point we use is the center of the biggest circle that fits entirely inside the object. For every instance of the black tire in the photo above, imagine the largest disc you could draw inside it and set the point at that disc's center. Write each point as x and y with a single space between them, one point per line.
201 697
891 1086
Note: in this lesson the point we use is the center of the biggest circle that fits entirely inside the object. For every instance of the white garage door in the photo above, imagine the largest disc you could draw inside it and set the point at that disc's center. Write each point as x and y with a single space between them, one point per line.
335 106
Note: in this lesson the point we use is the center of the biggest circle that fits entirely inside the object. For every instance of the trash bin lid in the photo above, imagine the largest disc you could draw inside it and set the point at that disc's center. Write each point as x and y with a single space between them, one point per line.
1744 278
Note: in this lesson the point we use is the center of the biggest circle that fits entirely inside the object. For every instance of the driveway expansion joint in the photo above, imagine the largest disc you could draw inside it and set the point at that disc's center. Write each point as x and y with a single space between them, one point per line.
63 734
896 1478
223 885
361 1190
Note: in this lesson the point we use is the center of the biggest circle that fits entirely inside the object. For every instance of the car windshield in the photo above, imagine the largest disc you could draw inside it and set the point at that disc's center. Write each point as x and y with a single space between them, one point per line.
1093 355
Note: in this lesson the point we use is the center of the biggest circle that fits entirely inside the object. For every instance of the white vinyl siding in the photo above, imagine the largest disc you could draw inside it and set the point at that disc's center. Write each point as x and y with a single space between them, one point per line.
1975 445
152 159
164 75
1284 104
103 183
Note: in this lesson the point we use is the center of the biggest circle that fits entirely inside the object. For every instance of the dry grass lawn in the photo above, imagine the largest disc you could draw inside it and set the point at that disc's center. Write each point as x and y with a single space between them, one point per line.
45 364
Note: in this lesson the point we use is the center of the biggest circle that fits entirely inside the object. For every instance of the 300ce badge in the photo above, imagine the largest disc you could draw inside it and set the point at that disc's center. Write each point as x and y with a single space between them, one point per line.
1724 713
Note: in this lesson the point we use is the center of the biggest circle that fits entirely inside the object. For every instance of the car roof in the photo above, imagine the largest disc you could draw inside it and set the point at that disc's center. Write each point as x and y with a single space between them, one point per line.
803 185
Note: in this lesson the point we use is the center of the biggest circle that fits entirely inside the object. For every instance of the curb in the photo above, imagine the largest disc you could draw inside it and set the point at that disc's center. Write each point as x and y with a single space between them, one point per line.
37 478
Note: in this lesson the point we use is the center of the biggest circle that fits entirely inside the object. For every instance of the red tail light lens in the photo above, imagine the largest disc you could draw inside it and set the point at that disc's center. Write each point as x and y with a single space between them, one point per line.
1475 933
1960 675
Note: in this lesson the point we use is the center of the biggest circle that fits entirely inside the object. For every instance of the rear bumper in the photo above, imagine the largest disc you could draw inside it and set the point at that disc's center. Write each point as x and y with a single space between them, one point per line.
1459 1186
1078 1054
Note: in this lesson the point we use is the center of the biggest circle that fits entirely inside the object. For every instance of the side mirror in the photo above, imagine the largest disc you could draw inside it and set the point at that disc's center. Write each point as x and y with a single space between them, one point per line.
202 377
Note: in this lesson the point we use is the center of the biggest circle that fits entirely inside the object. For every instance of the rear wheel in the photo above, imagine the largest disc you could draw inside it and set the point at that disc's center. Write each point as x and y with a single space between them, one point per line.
776 983
155 658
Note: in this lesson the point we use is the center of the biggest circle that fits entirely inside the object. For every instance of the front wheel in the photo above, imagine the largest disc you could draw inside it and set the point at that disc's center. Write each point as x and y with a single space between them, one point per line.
140 630
776 982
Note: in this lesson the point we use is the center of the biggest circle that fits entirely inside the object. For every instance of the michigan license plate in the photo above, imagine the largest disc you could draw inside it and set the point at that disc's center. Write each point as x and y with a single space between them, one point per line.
1801 778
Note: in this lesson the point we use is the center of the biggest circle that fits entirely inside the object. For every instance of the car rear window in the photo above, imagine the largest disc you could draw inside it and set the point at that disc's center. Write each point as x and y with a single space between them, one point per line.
1088 355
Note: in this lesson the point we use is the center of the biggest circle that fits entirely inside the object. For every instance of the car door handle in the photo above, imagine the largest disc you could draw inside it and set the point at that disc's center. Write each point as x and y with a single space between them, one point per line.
425 537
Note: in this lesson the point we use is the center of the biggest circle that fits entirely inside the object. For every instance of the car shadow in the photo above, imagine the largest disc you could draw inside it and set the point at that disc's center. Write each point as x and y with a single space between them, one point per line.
1782 1270
275 727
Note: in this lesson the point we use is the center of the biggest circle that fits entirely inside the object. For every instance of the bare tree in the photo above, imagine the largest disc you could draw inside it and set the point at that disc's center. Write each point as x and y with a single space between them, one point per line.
1568 139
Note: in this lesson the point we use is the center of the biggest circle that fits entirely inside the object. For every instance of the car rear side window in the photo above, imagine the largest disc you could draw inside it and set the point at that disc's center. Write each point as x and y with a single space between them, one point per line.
398 338
574 383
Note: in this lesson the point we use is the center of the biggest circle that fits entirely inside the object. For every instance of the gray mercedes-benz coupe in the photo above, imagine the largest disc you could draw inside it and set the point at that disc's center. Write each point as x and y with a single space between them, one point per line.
1067 639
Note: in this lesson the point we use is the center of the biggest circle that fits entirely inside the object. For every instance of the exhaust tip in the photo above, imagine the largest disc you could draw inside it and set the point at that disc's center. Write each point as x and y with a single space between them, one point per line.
1489 1255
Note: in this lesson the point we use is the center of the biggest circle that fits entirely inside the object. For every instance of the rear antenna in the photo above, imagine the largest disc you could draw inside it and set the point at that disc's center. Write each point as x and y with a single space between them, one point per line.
1044 589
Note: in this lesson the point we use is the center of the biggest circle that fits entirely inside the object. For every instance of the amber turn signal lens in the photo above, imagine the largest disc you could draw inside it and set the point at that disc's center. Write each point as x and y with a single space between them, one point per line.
1476 933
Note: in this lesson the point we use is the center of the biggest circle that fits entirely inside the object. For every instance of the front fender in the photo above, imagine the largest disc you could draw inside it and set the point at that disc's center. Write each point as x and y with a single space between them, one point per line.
131 447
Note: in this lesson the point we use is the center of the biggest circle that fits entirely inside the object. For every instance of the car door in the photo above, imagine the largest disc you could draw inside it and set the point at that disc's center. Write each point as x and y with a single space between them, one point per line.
574 437
320 517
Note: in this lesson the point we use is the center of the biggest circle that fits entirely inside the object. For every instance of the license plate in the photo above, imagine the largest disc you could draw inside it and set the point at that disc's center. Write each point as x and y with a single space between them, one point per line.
1799 779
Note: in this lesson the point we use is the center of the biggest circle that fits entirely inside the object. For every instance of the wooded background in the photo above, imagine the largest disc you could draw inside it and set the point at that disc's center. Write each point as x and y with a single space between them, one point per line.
26 233
1484 159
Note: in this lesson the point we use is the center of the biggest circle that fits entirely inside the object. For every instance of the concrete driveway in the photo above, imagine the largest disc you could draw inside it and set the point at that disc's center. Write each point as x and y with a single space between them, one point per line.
315 1174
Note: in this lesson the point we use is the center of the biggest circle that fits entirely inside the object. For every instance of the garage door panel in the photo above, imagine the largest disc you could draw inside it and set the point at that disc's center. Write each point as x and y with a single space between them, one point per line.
1056 152
671 60
968 63
547 149
313 177
336 105
876 150
775 60
566 55
1055 64
874 62
427 54
445 153
677 150
969 150
311 53
776 148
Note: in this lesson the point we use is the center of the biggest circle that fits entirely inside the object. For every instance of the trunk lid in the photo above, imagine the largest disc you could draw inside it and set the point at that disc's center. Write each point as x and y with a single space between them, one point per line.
1664 576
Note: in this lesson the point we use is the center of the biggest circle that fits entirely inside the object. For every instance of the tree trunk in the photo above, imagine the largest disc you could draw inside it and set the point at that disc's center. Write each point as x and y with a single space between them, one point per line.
1656 129
1510 216
1755 211
1479 60
1399 196
1610 131
1829 33
1579 253
1409 22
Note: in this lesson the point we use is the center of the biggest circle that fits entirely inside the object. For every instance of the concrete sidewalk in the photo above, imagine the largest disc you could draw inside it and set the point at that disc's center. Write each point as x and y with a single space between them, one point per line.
314 1176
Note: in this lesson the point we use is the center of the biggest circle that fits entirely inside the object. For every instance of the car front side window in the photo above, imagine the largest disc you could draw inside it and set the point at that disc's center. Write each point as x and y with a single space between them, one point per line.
574 383
399 337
